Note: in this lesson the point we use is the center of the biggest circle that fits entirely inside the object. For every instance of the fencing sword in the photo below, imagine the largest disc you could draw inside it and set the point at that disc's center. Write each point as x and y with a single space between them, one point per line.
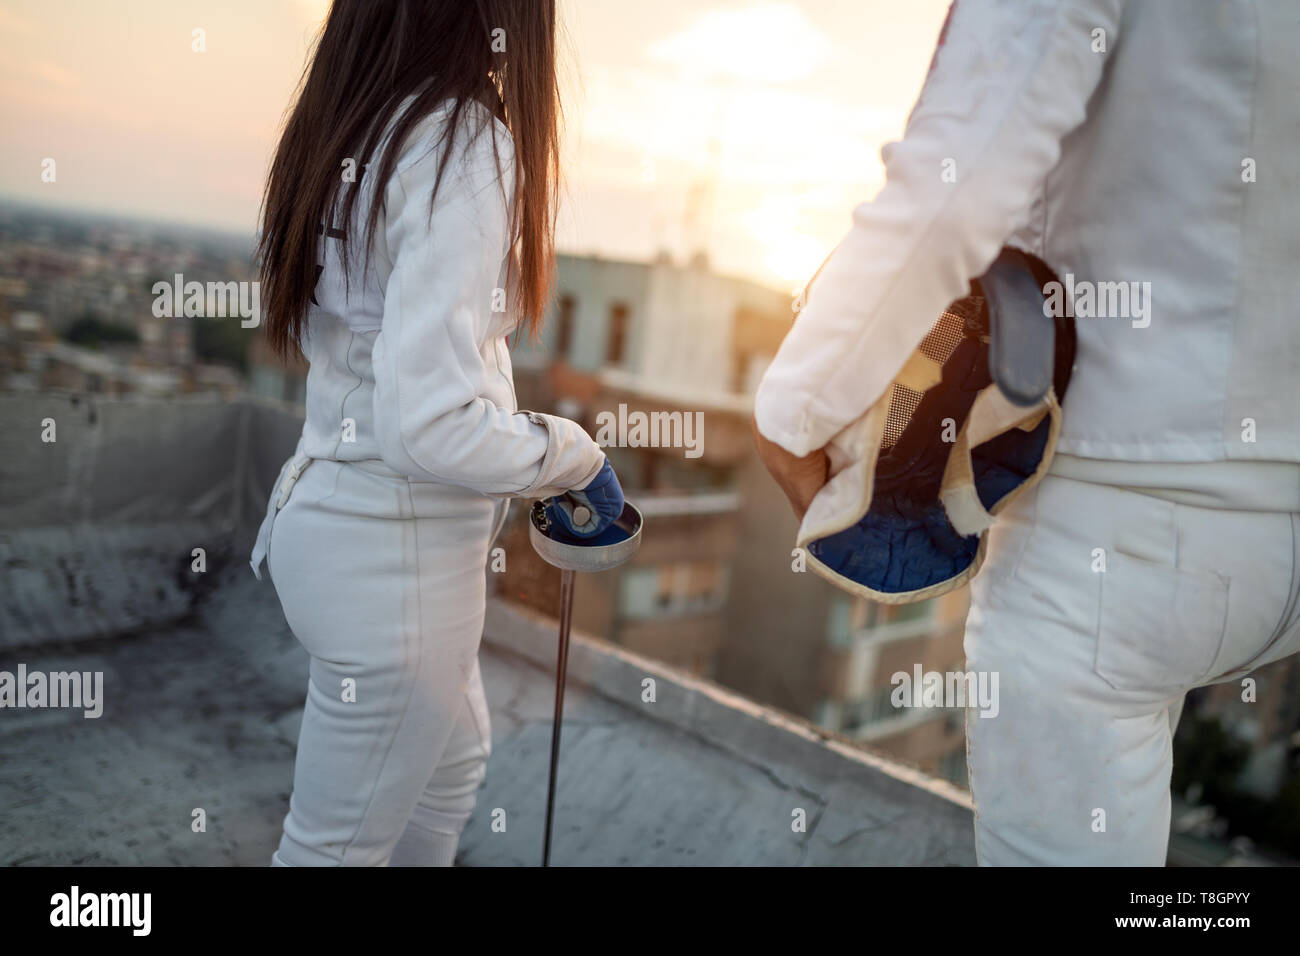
561 673
607 550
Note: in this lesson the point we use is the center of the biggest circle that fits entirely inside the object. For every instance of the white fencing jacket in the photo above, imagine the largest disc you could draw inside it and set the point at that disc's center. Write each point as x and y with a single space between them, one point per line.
410 365
1134 141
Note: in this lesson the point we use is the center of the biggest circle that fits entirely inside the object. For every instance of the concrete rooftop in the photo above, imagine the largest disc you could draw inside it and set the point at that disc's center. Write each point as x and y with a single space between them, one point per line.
204 687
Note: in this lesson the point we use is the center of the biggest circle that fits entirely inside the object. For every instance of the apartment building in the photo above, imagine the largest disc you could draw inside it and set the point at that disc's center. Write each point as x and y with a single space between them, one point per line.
715 588
645 355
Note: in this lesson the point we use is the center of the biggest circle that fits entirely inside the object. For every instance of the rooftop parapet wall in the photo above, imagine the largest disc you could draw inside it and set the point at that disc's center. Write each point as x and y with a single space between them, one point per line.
103 502
698 776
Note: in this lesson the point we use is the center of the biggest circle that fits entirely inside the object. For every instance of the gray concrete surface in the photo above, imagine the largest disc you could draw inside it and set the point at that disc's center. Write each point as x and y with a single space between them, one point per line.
204 714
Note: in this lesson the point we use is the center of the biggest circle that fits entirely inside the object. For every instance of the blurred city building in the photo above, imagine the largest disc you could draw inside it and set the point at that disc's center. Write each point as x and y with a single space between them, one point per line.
716 588
77 306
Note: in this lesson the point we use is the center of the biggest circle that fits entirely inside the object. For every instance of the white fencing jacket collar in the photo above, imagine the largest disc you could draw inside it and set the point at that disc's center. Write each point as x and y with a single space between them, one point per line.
1145 143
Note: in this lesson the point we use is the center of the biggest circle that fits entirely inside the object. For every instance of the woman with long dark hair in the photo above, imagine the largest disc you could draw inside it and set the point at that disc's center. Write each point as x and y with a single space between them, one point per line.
407 231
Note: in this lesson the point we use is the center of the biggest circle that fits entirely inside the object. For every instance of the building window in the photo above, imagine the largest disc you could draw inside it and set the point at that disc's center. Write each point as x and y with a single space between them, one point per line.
617 341
919 611
564 328
680 587
848 617
851 620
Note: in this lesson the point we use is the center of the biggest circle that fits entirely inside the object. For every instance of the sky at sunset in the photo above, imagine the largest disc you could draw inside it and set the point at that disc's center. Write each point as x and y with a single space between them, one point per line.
750 128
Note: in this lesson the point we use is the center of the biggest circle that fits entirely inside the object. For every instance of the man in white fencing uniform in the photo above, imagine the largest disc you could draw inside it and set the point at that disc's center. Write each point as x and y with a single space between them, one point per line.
1146 150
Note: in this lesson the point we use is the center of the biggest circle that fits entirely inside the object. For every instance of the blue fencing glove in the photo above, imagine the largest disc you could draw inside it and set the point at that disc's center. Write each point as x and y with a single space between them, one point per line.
586 512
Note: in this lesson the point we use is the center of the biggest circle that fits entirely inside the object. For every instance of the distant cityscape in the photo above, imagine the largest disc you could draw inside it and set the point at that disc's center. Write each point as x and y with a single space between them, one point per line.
716 588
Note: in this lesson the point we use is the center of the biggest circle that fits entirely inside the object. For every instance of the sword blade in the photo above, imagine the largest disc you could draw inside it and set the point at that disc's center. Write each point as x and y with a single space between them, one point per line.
561 673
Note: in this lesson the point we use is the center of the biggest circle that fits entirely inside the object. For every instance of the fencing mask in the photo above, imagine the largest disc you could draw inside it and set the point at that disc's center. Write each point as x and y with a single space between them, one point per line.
968 424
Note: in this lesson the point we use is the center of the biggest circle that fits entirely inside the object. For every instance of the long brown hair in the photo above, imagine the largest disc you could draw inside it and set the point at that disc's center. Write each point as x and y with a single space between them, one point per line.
371 55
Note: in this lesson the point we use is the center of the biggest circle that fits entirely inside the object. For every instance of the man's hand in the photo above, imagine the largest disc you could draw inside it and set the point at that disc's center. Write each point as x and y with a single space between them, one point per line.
799 478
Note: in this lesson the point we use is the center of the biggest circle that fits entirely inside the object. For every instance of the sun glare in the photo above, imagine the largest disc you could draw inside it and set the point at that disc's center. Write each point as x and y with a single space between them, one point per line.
765 42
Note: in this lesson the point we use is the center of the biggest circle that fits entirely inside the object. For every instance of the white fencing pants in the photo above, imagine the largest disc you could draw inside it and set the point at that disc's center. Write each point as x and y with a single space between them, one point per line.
383 582
1099 608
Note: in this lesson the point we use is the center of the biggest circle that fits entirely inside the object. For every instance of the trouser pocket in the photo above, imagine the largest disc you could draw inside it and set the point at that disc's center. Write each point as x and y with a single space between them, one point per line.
1159 627
290 472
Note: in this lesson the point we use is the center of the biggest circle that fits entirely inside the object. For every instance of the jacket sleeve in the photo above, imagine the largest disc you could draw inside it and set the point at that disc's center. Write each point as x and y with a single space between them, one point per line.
1009 81
432 420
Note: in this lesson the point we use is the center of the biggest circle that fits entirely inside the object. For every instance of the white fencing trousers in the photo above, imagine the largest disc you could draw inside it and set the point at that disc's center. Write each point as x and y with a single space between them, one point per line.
382 580
1099 608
